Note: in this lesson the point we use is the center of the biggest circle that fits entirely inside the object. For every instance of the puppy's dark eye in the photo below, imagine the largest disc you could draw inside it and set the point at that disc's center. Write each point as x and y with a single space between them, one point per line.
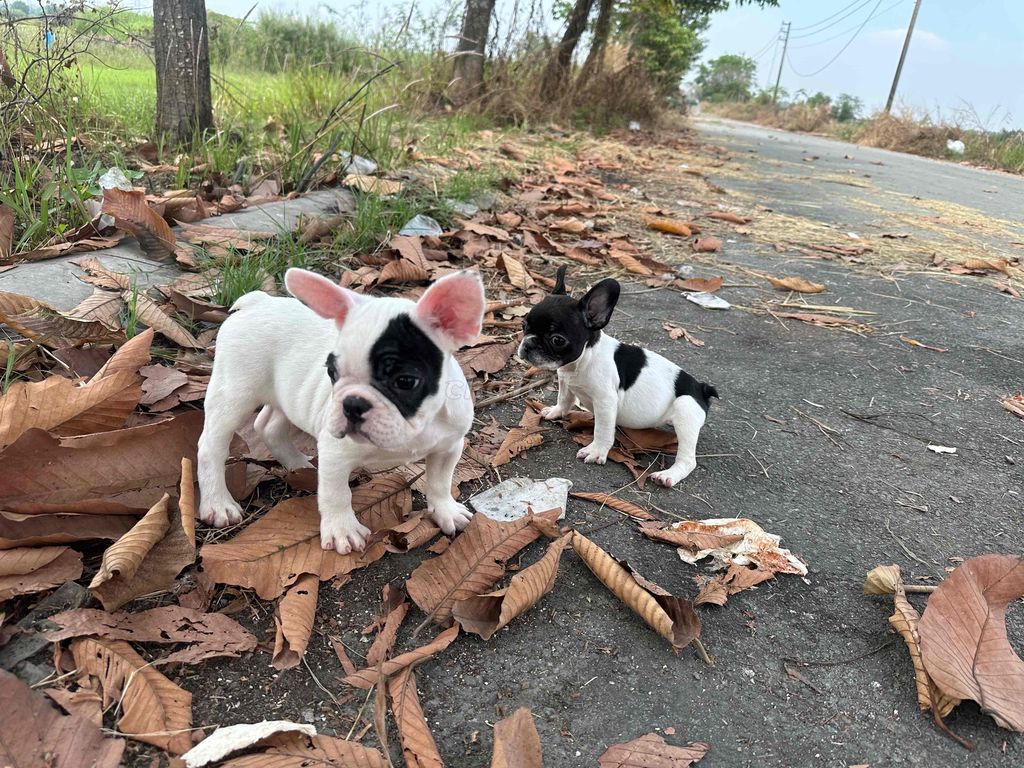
559 342
406 382
332 371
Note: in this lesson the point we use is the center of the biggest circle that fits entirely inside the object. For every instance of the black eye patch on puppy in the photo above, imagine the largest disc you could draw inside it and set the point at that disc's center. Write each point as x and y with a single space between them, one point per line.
405 365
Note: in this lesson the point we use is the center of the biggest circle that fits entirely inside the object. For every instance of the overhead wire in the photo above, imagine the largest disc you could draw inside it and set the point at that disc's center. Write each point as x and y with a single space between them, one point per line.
842 50
846 31
861 4
828 18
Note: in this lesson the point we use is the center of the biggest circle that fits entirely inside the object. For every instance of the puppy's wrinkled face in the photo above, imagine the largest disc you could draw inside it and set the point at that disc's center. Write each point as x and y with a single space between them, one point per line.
558 330
388 366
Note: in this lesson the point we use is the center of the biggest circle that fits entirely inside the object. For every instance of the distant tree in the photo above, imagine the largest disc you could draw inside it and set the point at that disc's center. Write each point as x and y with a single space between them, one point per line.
19 9
819 99
727 78
181 47
468 70
846 108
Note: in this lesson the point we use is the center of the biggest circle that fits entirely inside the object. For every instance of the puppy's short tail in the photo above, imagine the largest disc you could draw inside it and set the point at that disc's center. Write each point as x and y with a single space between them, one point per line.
708 391
248 300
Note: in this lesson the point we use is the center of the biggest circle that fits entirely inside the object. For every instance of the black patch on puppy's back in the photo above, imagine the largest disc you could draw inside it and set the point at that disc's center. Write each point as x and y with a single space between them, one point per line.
404 350
702 393
629 361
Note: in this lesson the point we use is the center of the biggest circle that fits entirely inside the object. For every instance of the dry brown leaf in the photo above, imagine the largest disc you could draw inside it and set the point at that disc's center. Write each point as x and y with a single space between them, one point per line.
486 614
671 617
154 710
150 314
132 213
906 621
383 502
882 580
699 284
102 306
270 554
651 751
517 274
678 332
964 645
418 745
207 634
296 611
6 227
1014 404
370 676
234 239
372 185
32 530
25 570
109 472
711 591
794 283
486 358
84 702
630 263
402 271
517 743
512 151
160 381
472 564
620 505
295 750
33 733
670 226
131 356
980 265
733 218
151 555
393 612
518 439
58 406
706 244
40 322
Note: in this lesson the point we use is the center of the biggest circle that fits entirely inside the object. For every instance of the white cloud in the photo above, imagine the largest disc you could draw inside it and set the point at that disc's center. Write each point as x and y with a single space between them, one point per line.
922 38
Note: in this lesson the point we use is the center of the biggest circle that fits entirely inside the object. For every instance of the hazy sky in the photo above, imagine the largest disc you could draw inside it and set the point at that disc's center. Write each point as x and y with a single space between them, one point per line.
964 55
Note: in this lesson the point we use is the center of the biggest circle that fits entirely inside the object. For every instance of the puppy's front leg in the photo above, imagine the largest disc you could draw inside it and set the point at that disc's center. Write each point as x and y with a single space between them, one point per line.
340 530
605 413
449 515
565 401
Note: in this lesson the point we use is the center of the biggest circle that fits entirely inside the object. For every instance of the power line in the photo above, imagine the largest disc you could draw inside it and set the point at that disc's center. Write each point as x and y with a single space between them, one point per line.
846 31
859 3
764 49
842 50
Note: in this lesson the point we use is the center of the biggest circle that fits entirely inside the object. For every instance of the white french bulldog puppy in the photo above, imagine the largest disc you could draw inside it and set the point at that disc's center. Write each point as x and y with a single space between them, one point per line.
372 379
619 383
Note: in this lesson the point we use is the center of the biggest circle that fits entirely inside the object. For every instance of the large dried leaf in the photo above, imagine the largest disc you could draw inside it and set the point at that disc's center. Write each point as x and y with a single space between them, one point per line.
207 634
40 322
418 745
517 274
906 621
882 580
1014 404
706 244
295 750
671 617
486 358
651 751
151 555
27 569
274 551
732 218
383 502
472 564
131 356
153 709
58 406
229 739
370 676
150 314
964 645
517 743
32 530
33 733
486 614
402 271
619 505
296 611
132 213
102 306
117 471
797 284
670 226
630 263
393 611
527 435
372 185
729 541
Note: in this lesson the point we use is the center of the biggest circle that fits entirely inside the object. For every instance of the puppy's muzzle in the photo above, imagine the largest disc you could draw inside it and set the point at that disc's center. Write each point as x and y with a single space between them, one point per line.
355 409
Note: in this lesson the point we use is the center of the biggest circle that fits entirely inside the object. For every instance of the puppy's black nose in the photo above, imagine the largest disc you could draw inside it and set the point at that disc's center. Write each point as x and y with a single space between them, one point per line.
355 408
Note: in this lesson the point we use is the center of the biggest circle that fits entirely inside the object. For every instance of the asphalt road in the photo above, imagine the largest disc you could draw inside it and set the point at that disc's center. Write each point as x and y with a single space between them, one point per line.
781 449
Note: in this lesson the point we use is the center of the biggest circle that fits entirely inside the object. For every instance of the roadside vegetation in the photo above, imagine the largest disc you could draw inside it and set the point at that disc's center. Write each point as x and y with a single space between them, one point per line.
727 89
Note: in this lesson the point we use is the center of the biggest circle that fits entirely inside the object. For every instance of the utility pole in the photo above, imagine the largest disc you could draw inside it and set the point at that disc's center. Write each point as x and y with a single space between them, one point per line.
785 45
903 57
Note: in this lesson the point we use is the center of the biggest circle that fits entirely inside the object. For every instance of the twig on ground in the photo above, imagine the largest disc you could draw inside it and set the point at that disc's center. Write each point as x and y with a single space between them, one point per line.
540 382
904 547
825 428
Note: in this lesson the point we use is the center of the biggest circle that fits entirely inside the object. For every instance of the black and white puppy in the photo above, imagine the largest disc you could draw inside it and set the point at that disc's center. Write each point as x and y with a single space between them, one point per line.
619 383
372 379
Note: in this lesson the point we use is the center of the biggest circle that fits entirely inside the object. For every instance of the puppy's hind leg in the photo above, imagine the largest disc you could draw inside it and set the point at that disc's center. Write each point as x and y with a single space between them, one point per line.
687 418
274 429
226 411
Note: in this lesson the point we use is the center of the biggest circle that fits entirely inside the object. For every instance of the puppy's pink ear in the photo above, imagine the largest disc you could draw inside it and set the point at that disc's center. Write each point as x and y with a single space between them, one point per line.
323 296
453 309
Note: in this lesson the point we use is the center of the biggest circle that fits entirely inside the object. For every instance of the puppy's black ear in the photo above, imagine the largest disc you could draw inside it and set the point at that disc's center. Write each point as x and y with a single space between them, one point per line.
599 303
559 289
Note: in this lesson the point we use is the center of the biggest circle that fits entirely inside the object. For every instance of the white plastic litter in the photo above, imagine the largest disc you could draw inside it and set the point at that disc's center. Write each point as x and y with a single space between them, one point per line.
955 146
115 179
463 209
357 164
421 224
941 449
634 126
708 300
512 498
234 738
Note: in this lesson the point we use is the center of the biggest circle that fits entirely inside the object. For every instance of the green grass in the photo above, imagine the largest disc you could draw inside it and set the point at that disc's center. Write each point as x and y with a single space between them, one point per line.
8 377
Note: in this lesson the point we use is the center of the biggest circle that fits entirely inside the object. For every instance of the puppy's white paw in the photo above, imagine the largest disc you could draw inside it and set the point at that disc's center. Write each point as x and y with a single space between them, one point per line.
591 454
451 517
220 513
674 474
343 535
551 413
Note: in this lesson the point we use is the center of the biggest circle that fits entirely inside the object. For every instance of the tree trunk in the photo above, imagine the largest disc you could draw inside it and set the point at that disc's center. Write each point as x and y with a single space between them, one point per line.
602 31
468 72
558 67
181 46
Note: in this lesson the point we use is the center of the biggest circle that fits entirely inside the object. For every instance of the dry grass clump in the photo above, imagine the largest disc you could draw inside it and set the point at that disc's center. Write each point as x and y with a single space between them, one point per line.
907 133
